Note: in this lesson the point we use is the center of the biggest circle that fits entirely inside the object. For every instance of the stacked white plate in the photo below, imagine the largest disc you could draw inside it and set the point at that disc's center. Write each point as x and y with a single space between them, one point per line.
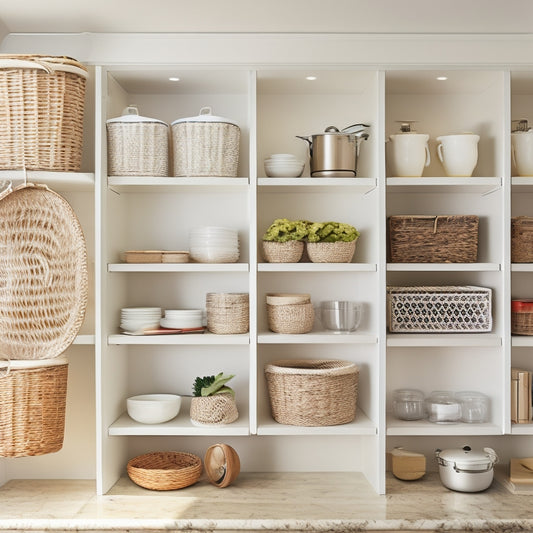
140 318
213 244
284 166
182 318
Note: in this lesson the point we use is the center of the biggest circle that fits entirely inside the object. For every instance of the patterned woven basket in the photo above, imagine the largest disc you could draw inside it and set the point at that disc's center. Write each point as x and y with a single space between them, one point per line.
165 470
283 252
213 410
330 252
33 399
433 239
522 239
312 392
228 313
291 318
42 102
43 273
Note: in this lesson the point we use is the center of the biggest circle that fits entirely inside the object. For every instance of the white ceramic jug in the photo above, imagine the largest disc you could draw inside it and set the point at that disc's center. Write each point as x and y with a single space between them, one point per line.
458 154
408 152
522 149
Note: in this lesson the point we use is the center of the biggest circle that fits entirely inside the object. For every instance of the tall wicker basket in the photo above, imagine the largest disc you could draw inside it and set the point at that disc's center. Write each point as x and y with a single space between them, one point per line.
522 239
42 101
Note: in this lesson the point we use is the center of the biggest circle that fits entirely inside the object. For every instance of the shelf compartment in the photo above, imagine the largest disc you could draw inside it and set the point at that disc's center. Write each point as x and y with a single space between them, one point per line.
522 267
522 429
444 267
443 339
522 340
462 185
316 337
185 339
57 181
295 185
424 427
178 267
317 267
522 184
155 184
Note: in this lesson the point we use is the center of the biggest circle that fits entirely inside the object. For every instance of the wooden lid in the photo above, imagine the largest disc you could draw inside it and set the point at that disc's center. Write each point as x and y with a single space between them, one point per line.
222 465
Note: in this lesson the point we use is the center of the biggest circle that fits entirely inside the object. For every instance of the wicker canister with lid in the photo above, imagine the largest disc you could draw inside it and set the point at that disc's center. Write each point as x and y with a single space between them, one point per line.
228 313
42 102
290 313
522 239
522 317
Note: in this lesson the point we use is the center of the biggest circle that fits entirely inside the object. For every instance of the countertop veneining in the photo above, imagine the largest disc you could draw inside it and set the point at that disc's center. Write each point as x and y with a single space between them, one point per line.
310 502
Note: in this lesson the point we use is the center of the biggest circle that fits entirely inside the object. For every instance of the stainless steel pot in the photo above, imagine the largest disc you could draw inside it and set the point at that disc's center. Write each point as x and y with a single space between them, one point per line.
334 153
466 470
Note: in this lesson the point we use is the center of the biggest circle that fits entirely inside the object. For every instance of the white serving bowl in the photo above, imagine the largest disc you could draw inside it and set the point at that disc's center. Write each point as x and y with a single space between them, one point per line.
153 408
287 169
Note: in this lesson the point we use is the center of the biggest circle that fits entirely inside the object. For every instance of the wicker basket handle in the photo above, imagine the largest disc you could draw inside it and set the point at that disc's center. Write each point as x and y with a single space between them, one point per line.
48 67
5 372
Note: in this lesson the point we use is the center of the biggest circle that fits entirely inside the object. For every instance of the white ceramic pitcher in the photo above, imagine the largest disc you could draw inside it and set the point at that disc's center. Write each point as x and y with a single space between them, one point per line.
522 149
458 154
408 152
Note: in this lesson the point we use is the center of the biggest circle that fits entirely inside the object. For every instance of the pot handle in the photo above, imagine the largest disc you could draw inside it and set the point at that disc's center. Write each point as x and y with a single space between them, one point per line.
345 130
492 454
428 157
469 471
439 152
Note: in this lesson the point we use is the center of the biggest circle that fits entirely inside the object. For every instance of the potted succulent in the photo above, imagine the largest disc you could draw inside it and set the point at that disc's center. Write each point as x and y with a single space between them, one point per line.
213 402
331 242
283 242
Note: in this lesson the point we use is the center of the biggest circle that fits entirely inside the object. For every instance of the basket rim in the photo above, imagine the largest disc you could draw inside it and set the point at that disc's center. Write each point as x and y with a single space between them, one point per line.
289 366
46 63
132 463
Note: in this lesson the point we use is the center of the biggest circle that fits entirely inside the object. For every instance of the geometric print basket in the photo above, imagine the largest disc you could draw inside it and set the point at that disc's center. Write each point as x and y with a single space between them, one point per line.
439 309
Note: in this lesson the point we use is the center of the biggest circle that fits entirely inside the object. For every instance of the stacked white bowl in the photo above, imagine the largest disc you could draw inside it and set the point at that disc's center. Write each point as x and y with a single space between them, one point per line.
284 166
214 244
182 318
139 318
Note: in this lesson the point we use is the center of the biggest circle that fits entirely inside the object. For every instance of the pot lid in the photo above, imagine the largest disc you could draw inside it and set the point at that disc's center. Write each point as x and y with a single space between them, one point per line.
407 126
521 126
131 114
467 458
205 116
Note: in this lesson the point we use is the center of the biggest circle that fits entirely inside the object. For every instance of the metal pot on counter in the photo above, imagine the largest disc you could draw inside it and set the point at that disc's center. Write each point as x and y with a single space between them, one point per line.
466 470
334 153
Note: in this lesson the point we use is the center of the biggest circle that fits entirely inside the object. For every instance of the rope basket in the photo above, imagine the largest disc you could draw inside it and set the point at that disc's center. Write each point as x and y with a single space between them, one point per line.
331 252
228 313
33 399
522 317
165 470
433 239
312 392
213 410
522 239
43 273
42 102
283 252
291 318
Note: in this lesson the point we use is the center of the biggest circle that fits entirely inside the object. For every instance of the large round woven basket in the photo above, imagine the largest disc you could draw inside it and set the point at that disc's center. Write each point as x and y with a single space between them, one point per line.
283 252
165 470
330 252
306 392
42 103
33 399
43 273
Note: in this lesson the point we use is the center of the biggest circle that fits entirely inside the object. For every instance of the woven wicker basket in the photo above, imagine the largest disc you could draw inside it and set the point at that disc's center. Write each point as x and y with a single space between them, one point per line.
312 392
42 102
213 410
439 309
330 252
522 317
522 239
165 470
33 399
283 252
291 318
433 239
43 268
228 313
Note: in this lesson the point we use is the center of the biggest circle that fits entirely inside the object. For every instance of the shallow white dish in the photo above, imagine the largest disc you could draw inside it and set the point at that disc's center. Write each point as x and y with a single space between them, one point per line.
153 408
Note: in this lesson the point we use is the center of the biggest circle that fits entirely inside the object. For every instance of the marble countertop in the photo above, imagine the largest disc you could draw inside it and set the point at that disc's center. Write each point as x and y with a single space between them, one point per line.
342 502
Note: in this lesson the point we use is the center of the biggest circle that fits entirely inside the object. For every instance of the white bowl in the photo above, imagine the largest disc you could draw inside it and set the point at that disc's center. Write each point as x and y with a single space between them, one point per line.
283 157
153 408
284 172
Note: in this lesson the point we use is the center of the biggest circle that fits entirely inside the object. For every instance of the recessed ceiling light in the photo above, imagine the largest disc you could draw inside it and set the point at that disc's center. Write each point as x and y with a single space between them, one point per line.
310 78
174 78
442 78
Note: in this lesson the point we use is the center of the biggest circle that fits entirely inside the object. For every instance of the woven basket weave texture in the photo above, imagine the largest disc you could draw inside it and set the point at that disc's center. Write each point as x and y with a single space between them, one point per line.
331 252
283 252
41 112
214 410
228 313
522 239
291 318
312 392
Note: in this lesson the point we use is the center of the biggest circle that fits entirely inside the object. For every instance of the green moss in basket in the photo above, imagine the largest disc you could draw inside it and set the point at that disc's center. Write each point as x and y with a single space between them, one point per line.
331 232
211 385
284 230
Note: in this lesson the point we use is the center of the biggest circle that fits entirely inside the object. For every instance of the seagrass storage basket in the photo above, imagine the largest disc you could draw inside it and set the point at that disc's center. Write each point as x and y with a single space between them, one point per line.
42 102
165 470
290 315
522 239
522 317
330 252
433 239
228 313
33 398
137 146
439 309
205 145
307 392
283 252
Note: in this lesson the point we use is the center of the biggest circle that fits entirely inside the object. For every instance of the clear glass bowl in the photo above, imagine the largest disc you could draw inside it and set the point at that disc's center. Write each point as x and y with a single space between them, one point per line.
474 407
408 404
443 407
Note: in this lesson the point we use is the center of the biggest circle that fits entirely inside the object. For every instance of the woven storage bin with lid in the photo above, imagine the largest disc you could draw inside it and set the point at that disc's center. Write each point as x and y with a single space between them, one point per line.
43 297
137 146
228 313
522 239
433 239
306 392
42 102
290 313
205 145
522 317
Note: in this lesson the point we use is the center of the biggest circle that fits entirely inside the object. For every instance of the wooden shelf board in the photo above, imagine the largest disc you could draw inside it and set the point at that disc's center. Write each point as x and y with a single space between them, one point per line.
480 185
317 267
156 184
178 267
299 185
169 340
57 181
443 339
445 267
317 337
424 427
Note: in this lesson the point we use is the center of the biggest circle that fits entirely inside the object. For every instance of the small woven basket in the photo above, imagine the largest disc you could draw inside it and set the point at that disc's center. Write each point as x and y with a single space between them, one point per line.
331 252
522 239
42 102
522 317
228 313
33 398
165 470
283 252
213 410
312 392
433 239
291 318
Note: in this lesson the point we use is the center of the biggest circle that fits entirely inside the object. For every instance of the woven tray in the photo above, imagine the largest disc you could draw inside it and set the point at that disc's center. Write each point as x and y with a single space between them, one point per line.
439 309
433 239
312 392
43 273
522 239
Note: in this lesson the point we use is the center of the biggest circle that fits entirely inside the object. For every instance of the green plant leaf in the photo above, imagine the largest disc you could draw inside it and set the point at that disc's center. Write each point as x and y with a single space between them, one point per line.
218 383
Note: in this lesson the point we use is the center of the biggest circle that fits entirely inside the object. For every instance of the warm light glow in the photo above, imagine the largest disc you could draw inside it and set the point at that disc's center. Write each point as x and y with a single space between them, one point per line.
173 78
310 78
442 78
